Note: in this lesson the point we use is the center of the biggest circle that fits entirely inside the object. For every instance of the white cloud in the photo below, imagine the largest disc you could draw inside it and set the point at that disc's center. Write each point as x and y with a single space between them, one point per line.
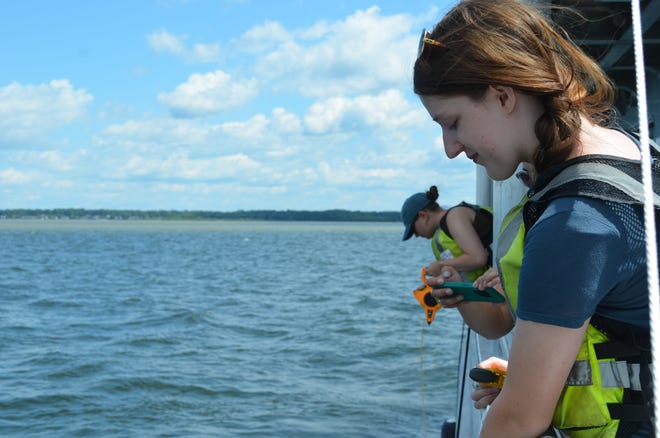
29 112
59 184
205 52
163 41
388 110
208 93
50 160
355 55
180 166
156 136
349 173
253 130
166 42
286 122
12 176
325 114
265 37
153 135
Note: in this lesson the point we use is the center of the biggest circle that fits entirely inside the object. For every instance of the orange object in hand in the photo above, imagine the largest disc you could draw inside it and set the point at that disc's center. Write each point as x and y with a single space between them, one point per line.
488 376
428 302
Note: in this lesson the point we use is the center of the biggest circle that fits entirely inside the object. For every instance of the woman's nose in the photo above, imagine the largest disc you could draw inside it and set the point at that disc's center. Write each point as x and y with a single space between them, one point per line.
452 147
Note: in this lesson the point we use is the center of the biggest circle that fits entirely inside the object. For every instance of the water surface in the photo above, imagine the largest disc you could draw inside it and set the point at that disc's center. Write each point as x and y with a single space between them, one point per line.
268 329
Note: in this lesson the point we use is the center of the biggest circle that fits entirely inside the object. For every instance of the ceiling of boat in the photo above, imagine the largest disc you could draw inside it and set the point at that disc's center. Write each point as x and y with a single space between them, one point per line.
606 33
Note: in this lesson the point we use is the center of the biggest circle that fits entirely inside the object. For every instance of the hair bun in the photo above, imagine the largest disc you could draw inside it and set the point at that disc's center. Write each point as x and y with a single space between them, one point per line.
432 194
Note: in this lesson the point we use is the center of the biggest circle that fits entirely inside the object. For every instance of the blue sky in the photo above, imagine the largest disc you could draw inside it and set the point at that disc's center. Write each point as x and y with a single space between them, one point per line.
218 105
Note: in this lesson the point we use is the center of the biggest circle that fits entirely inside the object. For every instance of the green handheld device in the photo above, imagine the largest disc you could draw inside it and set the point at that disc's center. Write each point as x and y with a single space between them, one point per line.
471 293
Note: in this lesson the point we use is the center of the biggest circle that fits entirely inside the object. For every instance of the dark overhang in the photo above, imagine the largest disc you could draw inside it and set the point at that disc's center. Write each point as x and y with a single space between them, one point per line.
604 29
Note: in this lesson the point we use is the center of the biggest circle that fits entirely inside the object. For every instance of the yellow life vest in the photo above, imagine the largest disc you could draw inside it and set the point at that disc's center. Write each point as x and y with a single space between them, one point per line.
595 384
582 408
608 392
510 243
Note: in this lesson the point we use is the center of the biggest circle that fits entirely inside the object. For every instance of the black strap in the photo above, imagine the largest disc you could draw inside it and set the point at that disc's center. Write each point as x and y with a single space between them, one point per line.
616 350
637 406
626 429
623 338
444 226
629 412
600 188
593 188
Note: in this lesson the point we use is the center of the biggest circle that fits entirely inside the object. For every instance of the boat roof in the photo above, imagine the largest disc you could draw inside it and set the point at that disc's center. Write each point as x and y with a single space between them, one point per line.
606 33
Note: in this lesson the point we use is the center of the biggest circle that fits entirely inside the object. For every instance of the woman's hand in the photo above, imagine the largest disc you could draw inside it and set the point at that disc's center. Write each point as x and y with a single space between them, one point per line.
434 269
490 278
484 395
490 320
445 296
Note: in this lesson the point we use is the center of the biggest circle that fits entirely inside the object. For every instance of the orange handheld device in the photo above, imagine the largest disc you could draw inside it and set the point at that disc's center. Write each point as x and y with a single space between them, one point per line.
488 377
426 300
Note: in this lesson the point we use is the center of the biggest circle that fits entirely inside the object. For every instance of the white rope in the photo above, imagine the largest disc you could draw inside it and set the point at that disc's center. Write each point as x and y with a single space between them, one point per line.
421 378
649 219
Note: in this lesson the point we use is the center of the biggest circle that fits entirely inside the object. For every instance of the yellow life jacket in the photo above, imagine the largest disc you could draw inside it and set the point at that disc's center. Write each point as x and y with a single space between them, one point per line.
510 243
582 410
607 393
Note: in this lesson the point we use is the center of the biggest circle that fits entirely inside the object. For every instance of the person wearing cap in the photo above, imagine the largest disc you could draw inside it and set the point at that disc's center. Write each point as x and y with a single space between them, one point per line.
461 236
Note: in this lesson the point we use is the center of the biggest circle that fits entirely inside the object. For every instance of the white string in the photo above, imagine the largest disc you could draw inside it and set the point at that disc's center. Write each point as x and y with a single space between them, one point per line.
649 219
421 378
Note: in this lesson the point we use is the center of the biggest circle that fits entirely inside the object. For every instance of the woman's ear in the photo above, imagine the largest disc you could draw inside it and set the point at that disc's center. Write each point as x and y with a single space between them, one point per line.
506 96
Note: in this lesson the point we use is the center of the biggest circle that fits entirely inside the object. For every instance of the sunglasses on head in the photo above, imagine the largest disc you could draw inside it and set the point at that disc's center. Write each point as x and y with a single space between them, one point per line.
426 40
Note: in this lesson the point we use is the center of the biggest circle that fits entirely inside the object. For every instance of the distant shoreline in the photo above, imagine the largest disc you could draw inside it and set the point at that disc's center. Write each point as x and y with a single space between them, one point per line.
176 215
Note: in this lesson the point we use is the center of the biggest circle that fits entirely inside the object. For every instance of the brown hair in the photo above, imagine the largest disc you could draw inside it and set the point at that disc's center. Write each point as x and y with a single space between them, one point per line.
432 194
506 42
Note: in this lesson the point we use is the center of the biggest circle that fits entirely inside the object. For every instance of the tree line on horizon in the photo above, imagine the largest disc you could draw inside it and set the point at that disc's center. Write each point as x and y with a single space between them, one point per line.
265 215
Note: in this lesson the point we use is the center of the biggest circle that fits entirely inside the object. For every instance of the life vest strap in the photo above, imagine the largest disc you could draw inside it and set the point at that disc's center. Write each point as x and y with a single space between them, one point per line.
620 374
616 350
580 374
629 412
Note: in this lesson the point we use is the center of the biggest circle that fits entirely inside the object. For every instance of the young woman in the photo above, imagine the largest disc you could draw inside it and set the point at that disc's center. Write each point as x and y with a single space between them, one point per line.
507 87
461 236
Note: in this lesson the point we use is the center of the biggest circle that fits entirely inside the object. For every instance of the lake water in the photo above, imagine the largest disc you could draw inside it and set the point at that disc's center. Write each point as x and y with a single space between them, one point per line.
208 329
